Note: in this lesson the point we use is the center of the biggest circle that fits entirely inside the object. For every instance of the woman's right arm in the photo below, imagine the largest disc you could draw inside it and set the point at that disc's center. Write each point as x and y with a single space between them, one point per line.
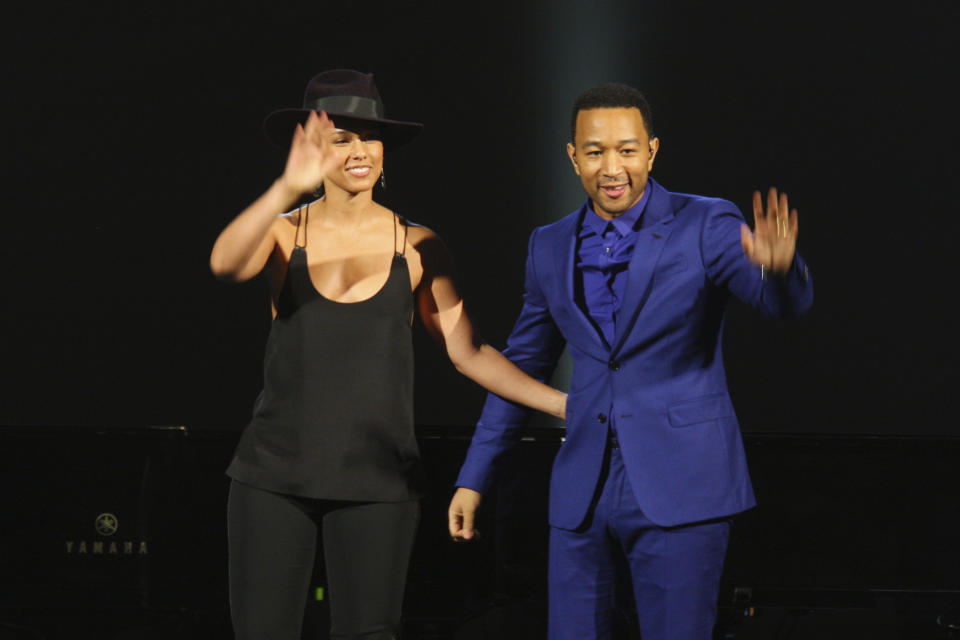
244 246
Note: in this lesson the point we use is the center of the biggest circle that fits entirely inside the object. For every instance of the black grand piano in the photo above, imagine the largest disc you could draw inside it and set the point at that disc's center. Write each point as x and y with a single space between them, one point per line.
115 533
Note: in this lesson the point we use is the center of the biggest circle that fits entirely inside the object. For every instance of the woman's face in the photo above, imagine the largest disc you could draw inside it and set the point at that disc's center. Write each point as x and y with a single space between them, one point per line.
359 152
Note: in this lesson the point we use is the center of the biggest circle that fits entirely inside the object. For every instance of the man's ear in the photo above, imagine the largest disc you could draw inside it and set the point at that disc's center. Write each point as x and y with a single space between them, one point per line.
572 152
654 147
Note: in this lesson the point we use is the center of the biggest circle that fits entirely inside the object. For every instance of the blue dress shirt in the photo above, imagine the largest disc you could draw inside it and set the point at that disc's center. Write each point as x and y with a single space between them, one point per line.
604 248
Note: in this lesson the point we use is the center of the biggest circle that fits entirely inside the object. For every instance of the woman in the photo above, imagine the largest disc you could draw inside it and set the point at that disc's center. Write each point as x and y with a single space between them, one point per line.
331 450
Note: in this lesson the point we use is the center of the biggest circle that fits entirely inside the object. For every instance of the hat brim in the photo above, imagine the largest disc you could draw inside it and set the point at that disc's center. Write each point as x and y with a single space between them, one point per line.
279 126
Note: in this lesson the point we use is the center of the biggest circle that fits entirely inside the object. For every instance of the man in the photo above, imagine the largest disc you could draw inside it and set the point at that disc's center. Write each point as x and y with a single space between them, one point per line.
635 282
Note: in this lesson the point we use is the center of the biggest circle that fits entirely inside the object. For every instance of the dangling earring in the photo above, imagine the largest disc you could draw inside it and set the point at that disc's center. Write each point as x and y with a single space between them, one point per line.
383 178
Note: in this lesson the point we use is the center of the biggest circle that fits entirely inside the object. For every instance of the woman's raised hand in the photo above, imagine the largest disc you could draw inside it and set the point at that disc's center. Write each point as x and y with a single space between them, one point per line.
309 158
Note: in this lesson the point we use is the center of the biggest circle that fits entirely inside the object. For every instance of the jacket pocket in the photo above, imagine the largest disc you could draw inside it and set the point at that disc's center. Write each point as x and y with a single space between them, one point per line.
703 409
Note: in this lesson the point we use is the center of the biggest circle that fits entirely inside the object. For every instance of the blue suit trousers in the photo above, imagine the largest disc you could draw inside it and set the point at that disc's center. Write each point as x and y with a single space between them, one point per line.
674 572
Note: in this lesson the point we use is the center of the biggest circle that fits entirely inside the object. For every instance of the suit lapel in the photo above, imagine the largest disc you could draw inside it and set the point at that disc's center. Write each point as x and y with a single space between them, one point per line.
566 264
651 239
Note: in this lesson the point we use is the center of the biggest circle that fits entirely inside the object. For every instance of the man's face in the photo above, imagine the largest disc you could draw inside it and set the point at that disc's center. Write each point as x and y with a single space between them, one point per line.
613 155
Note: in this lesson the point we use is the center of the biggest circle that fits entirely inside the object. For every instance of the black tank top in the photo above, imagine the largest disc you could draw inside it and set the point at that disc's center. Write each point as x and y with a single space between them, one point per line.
335 418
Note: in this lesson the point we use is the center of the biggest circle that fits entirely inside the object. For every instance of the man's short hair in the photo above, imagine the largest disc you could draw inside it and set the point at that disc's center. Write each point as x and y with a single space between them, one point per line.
611 95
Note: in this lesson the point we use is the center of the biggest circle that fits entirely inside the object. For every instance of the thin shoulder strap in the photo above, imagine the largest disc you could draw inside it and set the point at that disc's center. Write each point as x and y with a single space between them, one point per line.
398 219
302 214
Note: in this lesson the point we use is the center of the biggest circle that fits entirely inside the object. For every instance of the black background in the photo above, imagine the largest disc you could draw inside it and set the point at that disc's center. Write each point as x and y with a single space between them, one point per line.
132 136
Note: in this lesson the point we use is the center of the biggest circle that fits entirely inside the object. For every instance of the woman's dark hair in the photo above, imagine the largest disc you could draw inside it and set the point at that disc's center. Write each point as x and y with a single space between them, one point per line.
611 95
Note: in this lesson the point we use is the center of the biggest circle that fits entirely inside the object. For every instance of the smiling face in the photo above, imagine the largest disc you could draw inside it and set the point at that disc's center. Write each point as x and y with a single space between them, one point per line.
359 152
613 155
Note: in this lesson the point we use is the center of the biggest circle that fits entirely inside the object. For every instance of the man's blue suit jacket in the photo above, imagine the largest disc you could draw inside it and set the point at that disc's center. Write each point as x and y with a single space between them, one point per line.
662 379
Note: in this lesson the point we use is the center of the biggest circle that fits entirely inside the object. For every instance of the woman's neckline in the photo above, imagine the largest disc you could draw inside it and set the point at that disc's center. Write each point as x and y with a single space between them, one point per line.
375 294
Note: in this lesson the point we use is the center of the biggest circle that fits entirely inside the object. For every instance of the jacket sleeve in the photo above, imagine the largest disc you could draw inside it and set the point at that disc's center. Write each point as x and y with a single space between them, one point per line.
788 294
534 345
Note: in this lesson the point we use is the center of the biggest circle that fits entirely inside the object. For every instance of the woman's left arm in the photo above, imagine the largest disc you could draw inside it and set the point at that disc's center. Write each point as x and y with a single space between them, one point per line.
445 318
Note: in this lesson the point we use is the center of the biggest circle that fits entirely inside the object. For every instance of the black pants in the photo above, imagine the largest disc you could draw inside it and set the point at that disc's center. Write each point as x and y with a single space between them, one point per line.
273 540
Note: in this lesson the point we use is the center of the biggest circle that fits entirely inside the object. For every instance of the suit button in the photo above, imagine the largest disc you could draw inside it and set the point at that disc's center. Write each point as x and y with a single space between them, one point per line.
614 365
602 418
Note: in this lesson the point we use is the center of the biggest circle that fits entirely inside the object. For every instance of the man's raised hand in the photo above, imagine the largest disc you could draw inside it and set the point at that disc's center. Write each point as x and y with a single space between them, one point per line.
774 238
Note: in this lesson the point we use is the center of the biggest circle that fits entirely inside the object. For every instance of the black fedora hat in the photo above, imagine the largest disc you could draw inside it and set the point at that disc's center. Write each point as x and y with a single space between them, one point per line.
340 92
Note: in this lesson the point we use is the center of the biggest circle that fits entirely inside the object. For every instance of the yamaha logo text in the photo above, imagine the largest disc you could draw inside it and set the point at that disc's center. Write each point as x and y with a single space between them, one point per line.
107 526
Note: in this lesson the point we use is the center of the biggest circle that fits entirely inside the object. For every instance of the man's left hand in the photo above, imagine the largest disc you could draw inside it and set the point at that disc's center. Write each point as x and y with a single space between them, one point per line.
774 238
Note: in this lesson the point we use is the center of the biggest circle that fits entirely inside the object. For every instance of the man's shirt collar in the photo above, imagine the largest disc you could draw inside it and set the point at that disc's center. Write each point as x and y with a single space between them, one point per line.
624 223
